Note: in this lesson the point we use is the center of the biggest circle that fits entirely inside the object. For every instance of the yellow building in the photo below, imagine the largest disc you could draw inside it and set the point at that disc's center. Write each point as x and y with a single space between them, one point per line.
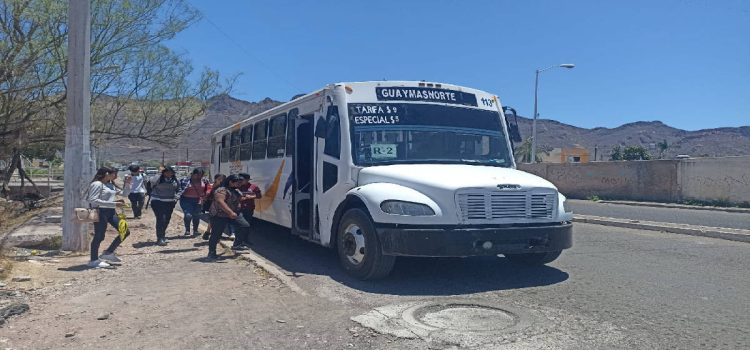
575 154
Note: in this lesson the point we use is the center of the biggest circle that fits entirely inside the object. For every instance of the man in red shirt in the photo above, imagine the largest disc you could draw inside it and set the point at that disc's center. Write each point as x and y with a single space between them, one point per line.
250 192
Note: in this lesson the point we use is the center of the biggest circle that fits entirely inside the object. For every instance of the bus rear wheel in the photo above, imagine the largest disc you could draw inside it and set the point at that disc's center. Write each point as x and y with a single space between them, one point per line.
533 259
359 249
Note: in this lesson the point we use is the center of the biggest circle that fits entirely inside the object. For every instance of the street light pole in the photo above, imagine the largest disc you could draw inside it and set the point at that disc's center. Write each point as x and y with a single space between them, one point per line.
536 99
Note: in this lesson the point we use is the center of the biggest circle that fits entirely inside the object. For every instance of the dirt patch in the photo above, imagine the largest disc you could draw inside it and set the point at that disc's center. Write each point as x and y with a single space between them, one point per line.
168 297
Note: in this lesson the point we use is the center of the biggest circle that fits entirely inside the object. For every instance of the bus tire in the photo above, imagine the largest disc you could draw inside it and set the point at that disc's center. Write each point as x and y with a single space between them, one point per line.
359 249
533 259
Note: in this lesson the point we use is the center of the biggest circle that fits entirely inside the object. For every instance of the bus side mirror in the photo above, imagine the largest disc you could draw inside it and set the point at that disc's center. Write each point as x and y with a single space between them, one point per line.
512 124
321 128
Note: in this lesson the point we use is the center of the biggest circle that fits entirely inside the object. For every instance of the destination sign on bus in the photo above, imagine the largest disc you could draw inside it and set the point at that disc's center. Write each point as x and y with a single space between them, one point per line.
425 95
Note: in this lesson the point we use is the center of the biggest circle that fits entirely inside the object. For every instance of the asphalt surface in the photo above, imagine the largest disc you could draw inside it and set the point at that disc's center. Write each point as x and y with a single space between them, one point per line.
672 215
616 288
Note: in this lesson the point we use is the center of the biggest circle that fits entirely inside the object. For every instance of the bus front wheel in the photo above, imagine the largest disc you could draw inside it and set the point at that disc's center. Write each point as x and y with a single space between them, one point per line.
358 247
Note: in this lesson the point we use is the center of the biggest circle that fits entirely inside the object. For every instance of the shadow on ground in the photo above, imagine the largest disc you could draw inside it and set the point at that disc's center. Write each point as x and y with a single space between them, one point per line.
174 251
410 276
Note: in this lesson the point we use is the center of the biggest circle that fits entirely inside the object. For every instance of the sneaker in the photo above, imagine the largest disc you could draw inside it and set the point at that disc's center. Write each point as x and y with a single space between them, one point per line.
240 247
98 264
110 258
161 242
212 257
187 233
206 236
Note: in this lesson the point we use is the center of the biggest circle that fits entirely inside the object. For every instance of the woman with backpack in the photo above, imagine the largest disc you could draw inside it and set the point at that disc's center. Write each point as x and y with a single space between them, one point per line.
192 193
218 179
102 195
164 194
225 210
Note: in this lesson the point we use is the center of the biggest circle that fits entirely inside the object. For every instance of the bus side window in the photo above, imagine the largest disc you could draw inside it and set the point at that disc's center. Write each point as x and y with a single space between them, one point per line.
224 155
276 136
234 150
333 133
260 140
290 131
246 138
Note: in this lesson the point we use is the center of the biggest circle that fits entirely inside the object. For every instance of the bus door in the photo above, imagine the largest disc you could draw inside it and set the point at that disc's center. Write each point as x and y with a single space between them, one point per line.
303 166
328 167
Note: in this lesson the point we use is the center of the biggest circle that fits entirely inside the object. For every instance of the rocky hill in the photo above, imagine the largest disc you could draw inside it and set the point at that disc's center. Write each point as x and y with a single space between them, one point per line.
225 110
706 142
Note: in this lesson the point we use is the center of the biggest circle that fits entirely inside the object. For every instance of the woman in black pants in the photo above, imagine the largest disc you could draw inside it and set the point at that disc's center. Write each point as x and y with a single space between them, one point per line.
164 189
103 197
224 211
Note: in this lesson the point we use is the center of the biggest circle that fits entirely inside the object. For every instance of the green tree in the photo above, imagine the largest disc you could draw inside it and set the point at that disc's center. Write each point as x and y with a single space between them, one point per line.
523 152
616 153
635 153
662 148
140 88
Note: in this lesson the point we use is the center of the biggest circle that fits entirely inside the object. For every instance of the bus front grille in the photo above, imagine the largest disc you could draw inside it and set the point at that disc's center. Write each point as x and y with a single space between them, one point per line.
511 207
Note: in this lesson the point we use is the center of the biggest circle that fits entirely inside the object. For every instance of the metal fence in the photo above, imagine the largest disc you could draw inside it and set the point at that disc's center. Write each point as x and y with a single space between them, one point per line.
45 178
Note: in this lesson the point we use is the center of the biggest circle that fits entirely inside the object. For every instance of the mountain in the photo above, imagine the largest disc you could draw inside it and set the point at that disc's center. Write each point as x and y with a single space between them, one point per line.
700 143
224 110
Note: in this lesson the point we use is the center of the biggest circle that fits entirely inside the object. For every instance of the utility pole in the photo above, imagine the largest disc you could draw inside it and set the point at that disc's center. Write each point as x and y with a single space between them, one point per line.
78 122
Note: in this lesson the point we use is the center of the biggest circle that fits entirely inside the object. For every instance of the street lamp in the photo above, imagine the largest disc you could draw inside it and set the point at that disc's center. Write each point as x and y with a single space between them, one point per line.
536 94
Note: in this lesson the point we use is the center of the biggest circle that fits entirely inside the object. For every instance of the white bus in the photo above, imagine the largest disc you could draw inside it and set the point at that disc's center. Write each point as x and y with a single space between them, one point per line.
377 170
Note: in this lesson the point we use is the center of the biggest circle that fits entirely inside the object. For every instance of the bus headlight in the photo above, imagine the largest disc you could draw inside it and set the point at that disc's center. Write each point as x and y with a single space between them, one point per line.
406 208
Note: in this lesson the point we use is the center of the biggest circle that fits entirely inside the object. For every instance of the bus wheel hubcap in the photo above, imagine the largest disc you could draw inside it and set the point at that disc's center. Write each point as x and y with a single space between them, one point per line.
354 244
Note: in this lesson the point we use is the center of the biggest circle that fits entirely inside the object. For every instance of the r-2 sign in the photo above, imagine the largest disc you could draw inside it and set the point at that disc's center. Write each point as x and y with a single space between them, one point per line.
383 151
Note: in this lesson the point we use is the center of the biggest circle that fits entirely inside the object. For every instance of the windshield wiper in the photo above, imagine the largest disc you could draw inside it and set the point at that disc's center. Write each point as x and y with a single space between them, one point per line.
491 162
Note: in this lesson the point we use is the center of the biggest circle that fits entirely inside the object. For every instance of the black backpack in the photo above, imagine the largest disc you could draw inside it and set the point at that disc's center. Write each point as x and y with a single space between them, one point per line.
149 187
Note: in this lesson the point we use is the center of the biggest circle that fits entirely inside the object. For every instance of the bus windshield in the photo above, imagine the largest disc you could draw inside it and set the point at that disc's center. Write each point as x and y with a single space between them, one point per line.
403 133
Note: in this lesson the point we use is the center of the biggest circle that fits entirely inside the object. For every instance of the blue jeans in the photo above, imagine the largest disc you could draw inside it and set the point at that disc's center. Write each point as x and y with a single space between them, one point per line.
106 216
192 210
218 224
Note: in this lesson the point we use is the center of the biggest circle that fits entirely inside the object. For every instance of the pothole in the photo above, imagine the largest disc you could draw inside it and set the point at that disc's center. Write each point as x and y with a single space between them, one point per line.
463 317
466 317
479 324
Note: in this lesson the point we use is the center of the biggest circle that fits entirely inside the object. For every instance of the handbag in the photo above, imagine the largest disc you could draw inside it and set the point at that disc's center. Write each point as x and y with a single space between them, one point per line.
86 214
83 215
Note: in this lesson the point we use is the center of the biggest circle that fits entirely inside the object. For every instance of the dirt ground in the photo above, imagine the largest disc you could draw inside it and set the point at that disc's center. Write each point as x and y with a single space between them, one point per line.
167 298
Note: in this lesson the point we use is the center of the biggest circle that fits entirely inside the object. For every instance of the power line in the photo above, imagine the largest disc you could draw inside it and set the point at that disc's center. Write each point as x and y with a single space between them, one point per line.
247 52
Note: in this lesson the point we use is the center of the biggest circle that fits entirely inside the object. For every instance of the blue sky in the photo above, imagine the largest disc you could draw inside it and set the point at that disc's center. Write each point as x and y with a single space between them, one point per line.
686 63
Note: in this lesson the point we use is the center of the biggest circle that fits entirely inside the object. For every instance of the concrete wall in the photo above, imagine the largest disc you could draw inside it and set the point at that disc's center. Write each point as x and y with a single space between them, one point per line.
726 178
716 178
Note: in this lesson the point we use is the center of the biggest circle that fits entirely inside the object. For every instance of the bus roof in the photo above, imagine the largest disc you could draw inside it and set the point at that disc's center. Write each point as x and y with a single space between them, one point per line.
366 91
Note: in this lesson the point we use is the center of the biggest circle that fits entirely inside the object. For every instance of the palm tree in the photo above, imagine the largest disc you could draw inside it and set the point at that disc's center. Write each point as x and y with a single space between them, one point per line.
523 152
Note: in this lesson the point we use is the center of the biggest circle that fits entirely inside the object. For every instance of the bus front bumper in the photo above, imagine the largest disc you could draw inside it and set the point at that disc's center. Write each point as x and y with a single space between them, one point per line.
463 242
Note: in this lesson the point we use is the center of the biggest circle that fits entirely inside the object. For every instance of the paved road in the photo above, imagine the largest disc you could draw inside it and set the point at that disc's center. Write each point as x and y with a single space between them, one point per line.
681 216
616 288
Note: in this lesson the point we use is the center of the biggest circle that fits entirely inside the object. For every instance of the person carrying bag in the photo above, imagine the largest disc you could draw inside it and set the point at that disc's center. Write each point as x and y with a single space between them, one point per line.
102 198
224 211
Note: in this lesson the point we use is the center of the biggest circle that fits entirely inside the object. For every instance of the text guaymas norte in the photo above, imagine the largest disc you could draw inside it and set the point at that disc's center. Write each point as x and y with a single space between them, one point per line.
436 95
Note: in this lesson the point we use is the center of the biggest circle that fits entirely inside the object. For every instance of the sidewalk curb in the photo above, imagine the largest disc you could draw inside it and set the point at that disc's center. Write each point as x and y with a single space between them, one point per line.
259 261
737 235
678 206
